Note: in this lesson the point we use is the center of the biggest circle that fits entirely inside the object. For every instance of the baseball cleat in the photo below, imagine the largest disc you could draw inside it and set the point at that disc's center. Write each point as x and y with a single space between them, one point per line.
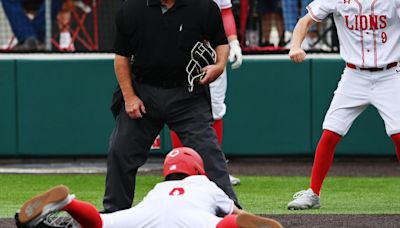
38 207
305 199
234 180
245 220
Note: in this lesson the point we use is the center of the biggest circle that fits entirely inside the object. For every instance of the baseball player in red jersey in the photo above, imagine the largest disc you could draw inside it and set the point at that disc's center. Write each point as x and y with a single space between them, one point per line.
187 198
369 38
218 87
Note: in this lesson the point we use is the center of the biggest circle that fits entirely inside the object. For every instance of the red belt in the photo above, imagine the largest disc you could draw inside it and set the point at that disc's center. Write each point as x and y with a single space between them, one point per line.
372 69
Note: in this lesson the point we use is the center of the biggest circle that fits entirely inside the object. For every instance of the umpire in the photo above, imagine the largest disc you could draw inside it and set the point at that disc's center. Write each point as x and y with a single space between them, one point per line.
158 37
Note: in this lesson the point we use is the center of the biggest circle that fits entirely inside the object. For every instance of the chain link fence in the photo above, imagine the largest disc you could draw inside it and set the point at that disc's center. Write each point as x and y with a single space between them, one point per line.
5 30
88 26
57 25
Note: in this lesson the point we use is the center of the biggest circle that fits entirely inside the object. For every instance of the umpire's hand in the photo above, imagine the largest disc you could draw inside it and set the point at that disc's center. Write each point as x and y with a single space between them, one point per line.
212 73
134 107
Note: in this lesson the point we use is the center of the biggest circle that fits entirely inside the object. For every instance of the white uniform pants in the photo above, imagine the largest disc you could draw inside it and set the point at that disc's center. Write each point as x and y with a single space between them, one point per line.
218 91
358 89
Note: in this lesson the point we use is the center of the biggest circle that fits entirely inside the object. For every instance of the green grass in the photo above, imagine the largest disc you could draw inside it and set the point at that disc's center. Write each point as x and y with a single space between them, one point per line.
260 195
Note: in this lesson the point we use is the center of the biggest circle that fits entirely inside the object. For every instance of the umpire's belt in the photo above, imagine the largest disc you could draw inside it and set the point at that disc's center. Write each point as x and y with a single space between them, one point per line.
163 83
372 69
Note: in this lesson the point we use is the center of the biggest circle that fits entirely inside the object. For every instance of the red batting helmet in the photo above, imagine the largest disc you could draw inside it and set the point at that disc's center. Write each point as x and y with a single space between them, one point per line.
183 160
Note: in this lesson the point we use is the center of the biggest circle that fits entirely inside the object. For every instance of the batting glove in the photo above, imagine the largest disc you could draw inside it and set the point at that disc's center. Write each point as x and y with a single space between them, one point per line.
235 54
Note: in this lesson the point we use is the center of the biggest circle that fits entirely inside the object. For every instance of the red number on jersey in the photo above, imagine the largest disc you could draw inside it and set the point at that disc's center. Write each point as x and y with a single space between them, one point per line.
384 37
177 192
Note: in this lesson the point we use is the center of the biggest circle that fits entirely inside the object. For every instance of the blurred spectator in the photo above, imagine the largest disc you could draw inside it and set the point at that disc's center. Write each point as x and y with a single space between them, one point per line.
7 39
271 10
252 24
27 20
63 22
292 11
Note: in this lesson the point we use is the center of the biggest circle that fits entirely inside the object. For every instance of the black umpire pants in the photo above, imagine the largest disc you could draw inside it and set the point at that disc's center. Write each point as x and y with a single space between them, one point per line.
188 114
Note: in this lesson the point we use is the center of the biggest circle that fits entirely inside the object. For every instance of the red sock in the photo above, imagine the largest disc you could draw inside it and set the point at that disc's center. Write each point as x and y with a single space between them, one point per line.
84 213
323 159
218 127
228 221
396 140
176 142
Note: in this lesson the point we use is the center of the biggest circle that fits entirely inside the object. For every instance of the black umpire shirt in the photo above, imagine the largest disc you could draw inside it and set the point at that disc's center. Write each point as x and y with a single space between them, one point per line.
160 41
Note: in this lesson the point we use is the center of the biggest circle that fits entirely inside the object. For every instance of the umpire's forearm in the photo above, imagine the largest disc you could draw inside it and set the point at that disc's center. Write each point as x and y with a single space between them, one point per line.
222 55
123 74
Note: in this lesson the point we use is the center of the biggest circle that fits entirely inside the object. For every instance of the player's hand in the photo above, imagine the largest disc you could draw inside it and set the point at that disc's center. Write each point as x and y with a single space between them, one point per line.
235 54
297 55
212 73
134 107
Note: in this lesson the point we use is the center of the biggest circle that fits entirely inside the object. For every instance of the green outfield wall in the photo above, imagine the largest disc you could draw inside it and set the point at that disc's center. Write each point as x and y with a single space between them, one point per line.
8 111
60 107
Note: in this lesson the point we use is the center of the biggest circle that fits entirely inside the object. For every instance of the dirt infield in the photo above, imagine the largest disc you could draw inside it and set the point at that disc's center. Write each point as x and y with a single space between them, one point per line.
308 221
299 166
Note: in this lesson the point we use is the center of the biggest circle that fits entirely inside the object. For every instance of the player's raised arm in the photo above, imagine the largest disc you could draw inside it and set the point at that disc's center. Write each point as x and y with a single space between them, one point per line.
300 31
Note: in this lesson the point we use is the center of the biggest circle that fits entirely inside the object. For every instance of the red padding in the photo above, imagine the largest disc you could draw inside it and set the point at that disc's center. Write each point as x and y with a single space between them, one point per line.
229 22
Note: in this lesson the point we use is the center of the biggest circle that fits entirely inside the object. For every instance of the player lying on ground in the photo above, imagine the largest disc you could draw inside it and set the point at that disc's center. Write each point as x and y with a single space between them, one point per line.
187 198
369 44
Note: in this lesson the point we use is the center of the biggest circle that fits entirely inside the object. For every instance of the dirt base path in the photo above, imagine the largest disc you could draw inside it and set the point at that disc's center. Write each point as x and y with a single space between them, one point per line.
310 221
335 221
301 166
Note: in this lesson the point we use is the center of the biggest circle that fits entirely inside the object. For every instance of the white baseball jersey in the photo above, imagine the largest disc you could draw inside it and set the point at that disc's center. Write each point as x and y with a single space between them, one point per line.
369 37
368 30
191 202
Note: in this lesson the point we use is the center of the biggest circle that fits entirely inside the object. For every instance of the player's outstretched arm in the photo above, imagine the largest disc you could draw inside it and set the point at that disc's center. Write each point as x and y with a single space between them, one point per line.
245 219
297 54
